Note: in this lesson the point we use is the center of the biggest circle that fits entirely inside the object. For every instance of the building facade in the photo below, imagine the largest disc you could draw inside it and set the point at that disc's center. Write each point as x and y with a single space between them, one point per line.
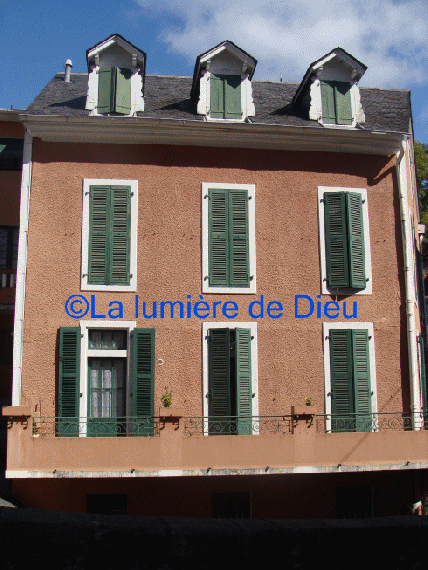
244 250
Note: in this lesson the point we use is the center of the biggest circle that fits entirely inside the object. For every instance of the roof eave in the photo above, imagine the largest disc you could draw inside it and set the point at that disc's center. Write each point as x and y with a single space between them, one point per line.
139 130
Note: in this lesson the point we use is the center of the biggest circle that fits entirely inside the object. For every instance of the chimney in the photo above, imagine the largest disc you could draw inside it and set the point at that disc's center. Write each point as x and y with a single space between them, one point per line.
68 65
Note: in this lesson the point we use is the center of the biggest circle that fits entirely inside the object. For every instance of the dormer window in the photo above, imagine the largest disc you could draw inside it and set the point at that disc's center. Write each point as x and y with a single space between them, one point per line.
225 97
329 90
114 91
116 78
222 83
336 103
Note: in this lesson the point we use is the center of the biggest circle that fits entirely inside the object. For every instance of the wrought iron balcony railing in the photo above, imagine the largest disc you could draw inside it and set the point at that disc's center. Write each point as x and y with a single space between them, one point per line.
95 427
237 425
380 421
227 425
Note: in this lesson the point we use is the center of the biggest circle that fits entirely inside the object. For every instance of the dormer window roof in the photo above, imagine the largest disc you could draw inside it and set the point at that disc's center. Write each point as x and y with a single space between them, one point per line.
329 90
221 85
116 77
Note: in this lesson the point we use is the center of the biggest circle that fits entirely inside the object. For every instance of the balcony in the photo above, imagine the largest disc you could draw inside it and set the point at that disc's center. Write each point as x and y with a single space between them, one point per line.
171 444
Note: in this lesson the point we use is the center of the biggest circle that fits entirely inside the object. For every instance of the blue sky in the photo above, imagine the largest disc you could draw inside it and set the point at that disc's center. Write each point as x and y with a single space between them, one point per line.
389 36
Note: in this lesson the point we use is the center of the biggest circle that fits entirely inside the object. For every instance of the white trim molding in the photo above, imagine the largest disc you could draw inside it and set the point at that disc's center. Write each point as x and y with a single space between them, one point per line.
21 271
254 362
325 290
206 288
87 183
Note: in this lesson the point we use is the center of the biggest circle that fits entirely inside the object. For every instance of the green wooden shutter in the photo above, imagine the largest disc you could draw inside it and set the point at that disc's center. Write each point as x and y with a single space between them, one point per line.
106 85
357 275
143 379
328 106
361 380
98 270
219 396
336 241
239 238
422 379
69 381
342 92
218 237
341 368
120 227
123 91
217 96
232 97
243 381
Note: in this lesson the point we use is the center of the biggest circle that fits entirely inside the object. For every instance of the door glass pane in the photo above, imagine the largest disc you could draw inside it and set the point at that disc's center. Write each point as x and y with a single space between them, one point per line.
107 387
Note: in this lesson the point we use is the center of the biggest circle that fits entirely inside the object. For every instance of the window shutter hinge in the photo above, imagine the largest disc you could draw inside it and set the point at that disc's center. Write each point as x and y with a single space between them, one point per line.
86 193
367 279
363 201
131 276
81 336
206 277
85 275
132 193
252 338
249 197
329 394
370 337
322 200
327 338
80 395
253 395
206 196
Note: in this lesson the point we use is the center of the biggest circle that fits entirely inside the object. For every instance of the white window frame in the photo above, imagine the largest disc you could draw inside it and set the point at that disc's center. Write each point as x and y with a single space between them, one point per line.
84 285
327 327
325 290
206 288
86 353
254 364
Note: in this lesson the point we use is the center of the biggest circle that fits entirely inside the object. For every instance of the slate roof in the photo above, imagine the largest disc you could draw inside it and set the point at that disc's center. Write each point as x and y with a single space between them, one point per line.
168 97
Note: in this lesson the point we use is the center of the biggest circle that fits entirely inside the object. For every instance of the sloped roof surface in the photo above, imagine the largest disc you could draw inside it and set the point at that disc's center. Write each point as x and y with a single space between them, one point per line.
168 97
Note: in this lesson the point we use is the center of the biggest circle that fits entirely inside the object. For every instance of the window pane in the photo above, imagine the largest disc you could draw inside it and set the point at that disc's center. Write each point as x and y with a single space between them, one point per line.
107 339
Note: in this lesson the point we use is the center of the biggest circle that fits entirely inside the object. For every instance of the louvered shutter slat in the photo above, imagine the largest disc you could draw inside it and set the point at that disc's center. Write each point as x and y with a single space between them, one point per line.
120 235
243 380
219 403
336 240
341 380
218 238
239 238
98 203
143 372
362 392
69 381
356 240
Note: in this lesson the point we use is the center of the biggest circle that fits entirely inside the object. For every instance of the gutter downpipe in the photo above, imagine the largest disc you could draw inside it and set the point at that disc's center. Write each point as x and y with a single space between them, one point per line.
409 282
21 270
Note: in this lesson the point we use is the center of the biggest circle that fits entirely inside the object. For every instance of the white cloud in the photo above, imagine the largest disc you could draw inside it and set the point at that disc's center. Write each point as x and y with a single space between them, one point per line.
389 36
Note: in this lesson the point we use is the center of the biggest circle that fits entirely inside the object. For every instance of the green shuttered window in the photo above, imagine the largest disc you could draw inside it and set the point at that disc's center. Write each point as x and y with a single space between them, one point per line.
350 380
109 235
225 94
114 91
422 377
228 238
229 381
336 103
106 377
344 240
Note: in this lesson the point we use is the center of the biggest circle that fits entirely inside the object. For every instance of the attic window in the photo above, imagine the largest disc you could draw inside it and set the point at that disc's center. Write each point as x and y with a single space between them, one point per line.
336 103
114 91
225 97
